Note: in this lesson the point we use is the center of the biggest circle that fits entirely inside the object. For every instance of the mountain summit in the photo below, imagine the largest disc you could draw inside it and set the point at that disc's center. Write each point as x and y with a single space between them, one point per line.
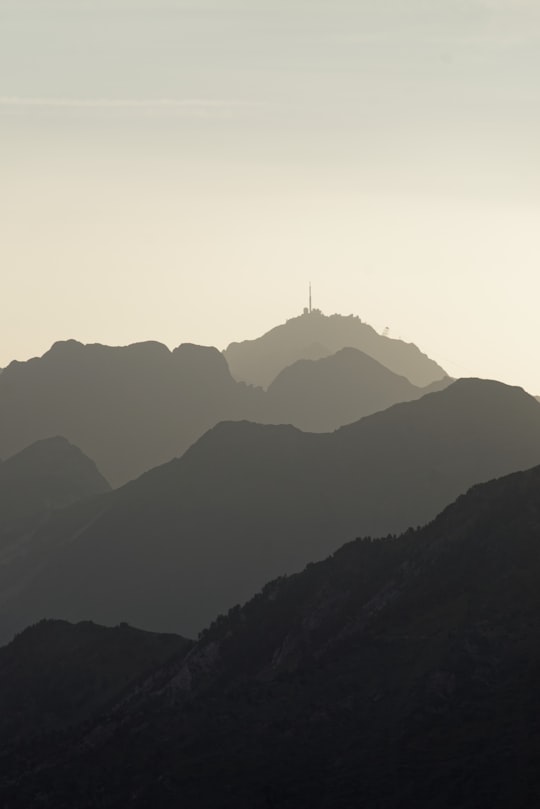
314 335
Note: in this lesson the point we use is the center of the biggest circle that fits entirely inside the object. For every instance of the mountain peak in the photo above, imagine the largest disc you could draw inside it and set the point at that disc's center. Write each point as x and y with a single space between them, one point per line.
54 455
259 361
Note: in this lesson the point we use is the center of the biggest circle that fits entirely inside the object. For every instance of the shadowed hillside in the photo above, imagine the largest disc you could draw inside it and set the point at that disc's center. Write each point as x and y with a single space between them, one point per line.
314 335
43 477
398 673
55 675
249 502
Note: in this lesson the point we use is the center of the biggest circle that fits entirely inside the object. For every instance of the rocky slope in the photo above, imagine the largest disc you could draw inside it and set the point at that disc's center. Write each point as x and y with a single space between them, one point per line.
398 673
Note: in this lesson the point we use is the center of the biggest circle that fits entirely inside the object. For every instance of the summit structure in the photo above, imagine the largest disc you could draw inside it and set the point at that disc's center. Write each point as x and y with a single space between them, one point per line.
309 310
313 336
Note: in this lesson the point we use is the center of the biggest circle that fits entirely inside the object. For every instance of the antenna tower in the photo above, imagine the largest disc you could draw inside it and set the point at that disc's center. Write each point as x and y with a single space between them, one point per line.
310 297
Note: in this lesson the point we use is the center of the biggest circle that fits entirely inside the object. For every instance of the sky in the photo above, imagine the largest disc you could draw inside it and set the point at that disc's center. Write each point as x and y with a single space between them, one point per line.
180 170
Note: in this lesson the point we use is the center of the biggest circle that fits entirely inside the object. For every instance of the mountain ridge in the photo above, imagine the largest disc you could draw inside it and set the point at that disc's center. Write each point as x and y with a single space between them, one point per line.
248 502
45 476
398 672
134 407
322 395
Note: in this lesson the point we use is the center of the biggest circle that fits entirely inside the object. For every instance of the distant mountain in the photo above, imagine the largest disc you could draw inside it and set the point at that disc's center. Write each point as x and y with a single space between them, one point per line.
136 407
55 674
128 408
249 502
322 395
42 478
398 673
313 336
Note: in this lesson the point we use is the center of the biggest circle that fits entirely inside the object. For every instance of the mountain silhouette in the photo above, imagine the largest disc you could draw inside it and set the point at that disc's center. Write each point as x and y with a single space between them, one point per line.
128 408
43 477
322 395
136 407
399 672
55 674
313 336
249 502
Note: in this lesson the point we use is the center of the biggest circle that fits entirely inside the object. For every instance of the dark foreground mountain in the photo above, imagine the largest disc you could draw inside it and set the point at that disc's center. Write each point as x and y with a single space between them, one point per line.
399 673
314 335
322 395
55 675
42 478
250 502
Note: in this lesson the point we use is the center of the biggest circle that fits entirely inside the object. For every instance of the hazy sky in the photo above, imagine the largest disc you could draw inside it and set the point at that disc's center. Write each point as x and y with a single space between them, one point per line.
179 170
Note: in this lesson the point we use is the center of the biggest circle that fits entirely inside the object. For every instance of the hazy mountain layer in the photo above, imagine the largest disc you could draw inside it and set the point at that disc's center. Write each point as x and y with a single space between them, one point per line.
322 395
314 335
133 408
128 408
398 673
249 502
45 476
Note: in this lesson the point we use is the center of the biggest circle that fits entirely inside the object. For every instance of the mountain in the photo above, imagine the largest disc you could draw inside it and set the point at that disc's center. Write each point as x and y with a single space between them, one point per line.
55 675
135 407
249 502
43 477
313 336
322 395
128 408
397 673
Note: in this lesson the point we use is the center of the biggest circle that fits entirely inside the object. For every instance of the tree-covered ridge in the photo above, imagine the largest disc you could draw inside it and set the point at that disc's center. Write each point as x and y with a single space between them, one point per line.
400 672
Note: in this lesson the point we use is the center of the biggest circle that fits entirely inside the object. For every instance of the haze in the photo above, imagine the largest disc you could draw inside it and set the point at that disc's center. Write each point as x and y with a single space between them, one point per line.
179 171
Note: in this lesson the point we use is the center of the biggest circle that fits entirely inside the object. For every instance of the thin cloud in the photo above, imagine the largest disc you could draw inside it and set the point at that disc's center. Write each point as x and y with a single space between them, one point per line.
189 106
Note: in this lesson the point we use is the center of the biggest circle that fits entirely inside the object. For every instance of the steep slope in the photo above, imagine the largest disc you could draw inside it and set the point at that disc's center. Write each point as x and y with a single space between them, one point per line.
397 673
322 395
43 477
128 408
56 674
249 502
314 335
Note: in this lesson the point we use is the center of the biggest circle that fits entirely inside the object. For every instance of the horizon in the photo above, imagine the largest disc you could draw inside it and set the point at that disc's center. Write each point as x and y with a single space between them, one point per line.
178 172
221 349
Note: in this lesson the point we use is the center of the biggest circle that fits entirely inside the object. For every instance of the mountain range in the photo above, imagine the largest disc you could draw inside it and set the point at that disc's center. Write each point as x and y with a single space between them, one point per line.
249 502
399 672
136 407
395 671
126 408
